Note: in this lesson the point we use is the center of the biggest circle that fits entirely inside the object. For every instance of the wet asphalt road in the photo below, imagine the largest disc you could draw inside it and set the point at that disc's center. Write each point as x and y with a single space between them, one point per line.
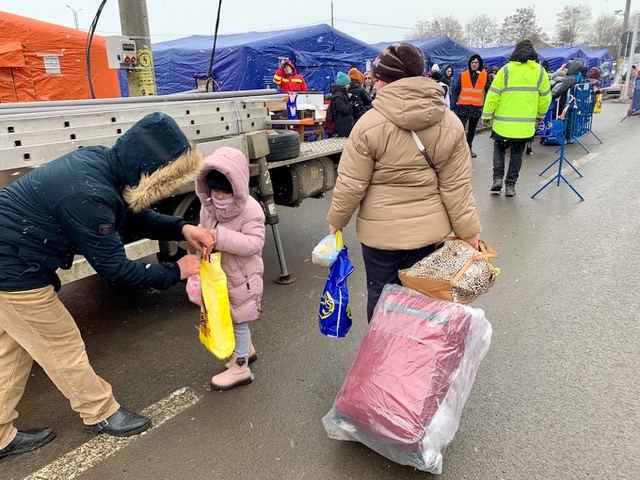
556 397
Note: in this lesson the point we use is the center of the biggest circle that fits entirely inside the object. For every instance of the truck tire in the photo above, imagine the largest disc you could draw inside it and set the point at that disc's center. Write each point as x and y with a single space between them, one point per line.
283 144
187 207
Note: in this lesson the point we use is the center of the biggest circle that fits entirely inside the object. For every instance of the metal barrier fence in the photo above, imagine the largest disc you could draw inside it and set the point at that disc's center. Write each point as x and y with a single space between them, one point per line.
578 118
634 108
566 124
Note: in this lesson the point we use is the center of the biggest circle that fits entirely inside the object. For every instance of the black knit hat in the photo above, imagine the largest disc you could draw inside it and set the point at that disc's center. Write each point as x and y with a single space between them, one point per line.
217 181
400 60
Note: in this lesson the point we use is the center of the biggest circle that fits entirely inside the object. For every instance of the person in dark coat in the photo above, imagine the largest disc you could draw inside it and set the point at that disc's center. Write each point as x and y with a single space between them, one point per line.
448 76
573 76
359 98
77 204
342 110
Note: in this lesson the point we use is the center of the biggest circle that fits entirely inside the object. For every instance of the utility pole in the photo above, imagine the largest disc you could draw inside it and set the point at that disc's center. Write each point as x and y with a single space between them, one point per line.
134 21
625 20
75 16
331 13
631 54
625 26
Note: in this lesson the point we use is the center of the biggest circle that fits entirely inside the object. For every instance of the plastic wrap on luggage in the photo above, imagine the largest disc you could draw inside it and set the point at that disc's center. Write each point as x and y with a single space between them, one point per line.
412 374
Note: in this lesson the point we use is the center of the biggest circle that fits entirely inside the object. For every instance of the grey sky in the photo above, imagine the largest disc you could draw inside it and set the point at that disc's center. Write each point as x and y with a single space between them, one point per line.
371 21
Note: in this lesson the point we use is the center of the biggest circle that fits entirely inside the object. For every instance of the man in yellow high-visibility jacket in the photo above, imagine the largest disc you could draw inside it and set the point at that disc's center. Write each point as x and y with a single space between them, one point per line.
517 100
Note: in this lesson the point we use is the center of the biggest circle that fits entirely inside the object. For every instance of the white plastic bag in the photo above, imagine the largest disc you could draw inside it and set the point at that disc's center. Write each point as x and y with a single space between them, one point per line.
326 252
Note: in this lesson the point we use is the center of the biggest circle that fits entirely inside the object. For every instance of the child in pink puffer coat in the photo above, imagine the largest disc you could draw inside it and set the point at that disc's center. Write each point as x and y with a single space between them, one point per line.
237 221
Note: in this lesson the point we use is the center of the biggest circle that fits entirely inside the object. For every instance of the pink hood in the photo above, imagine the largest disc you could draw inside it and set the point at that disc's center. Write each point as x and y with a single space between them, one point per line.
234 165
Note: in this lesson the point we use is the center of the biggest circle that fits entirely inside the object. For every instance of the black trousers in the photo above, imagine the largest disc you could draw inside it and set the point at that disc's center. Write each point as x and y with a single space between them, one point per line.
471 131
382 268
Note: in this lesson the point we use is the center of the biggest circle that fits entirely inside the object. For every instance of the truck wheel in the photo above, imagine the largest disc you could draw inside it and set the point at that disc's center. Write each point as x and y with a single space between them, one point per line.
188 208
283 144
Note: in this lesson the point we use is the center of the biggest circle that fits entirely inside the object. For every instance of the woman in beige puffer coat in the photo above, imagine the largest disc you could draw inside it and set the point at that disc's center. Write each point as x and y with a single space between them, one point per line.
404 206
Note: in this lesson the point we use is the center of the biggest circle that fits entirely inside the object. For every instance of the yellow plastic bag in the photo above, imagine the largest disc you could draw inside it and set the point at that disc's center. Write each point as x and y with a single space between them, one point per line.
216 327
597 108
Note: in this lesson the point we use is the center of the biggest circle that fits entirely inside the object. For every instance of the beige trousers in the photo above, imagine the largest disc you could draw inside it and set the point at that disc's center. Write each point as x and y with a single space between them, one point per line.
35 325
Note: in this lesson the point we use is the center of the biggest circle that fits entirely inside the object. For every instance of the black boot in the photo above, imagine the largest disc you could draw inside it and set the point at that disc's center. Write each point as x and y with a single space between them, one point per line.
123 423
27 441
510 190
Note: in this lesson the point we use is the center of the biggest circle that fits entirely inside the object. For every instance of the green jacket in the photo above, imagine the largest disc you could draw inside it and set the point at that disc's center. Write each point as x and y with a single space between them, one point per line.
518 96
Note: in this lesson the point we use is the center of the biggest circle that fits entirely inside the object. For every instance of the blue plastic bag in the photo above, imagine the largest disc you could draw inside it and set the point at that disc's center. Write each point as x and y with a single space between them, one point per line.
335 312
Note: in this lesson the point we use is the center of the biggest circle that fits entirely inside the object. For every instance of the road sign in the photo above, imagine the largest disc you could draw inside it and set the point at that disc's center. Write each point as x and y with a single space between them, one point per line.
627 39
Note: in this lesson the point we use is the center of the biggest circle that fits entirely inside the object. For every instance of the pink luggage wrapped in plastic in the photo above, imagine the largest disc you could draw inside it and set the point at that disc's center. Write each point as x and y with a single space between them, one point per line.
411 377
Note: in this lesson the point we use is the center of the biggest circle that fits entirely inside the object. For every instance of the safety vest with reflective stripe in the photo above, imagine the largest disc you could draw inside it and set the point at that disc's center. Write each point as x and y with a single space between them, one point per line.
518 95
471 94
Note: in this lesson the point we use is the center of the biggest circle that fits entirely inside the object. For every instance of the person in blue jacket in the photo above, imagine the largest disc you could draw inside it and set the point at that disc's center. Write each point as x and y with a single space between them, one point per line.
77 204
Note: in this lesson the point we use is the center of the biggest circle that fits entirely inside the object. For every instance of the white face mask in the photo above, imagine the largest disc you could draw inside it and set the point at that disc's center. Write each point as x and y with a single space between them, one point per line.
222 204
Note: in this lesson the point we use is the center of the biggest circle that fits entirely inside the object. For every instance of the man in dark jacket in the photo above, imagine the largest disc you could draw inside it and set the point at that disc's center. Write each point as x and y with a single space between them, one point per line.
77 204
468 97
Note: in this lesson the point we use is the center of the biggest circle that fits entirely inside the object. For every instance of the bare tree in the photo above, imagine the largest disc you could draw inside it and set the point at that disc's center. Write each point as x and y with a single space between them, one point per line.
605 31
439 26
420 30
523 24
573 23
481 31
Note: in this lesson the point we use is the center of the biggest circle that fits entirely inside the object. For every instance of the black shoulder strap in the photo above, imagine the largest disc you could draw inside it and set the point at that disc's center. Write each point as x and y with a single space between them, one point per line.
423 150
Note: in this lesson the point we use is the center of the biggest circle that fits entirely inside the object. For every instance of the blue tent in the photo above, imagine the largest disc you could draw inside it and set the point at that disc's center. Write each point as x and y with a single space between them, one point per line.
441 50
498 56
597 57
558 56
248 61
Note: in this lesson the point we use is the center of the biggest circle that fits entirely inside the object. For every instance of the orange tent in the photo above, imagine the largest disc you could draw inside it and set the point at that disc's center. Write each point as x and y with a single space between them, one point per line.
42 61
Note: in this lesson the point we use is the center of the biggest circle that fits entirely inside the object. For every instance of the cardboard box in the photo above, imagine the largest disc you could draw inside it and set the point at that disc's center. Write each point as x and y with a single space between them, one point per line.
302 114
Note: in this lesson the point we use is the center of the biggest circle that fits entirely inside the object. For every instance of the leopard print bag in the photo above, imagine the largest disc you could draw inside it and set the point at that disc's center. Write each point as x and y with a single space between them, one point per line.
456 272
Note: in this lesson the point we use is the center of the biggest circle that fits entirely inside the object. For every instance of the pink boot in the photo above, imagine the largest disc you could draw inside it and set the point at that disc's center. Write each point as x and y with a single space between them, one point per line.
236 375
253 356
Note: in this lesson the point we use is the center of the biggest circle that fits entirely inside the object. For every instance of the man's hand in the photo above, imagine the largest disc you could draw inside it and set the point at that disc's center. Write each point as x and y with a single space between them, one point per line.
199 238
189 265
332 229
486 122
539 119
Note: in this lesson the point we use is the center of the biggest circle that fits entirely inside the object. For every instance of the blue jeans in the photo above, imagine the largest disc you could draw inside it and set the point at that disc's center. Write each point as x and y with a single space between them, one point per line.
515 160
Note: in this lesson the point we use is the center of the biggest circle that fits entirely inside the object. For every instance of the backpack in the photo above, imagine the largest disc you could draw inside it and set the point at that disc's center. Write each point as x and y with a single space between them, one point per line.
329 122
357 107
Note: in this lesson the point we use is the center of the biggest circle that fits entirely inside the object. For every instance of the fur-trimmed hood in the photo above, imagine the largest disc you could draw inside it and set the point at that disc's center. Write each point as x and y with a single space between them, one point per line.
152 159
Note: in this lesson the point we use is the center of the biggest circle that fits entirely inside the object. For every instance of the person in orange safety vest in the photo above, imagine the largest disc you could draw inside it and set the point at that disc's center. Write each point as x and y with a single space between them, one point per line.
287 78
468 97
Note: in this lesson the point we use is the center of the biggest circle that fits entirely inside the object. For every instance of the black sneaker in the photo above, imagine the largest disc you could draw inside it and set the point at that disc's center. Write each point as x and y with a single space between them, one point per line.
497 186
473 154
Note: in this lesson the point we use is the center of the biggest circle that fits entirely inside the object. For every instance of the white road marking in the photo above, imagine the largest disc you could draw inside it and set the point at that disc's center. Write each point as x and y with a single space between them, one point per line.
91 453
567 169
